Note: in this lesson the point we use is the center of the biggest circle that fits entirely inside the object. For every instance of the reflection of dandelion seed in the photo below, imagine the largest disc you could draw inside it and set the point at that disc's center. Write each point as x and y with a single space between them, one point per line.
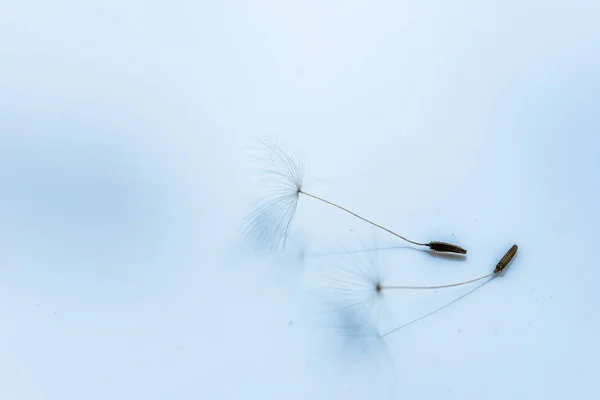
357 337
271 221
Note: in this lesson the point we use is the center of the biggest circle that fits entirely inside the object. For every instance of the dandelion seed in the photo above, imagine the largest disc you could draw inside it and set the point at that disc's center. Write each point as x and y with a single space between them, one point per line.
500 267
358 335
271 221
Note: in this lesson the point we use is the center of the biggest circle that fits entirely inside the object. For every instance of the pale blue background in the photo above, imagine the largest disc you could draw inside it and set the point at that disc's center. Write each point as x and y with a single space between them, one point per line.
124 127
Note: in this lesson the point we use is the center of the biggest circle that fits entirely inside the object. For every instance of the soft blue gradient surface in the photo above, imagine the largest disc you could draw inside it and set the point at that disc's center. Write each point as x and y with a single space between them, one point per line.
124 127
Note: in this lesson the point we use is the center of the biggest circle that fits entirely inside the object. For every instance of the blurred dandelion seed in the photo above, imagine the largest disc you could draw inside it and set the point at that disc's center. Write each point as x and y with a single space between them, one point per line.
345 289
358 334
352 283
271 221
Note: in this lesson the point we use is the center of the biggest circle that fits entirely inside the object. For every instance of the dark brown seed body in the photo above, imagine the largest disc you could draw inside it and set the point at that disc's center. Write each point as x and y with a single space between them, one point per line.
506 259
444 247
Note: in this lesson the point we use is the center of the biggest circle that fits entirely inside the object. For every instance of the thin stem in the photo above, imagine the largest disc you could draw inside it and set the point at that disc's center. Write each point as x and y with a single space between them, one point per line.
358 216
439 287
434 311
